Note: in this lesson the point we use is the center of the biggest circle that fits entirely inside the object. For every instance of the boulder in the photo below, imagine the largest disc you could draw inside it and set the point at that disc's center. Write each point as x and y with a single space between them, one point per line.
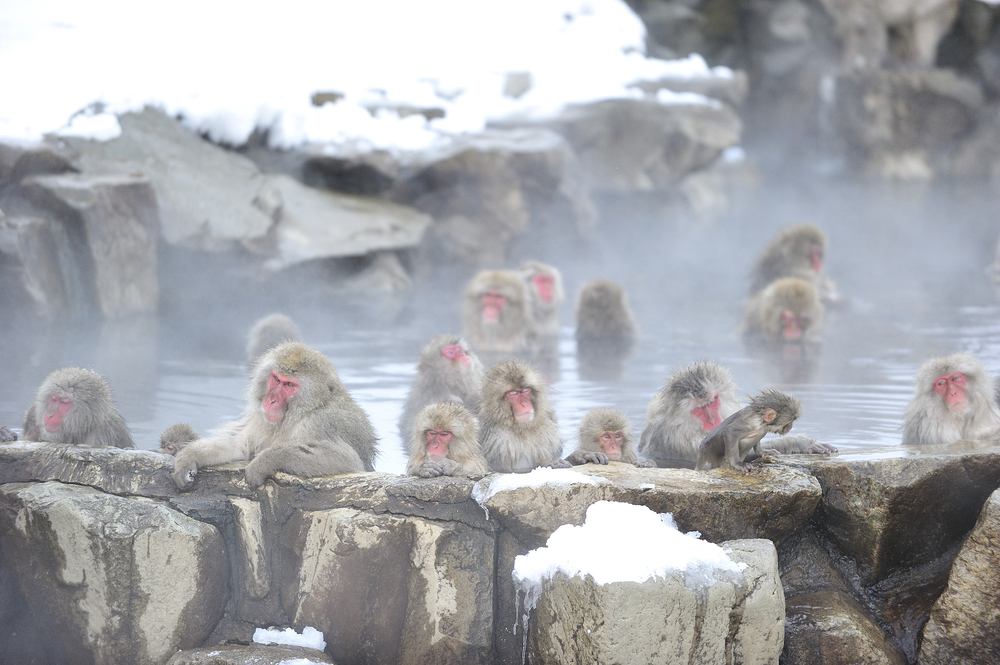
110 579
830 627
963 622
978 155
249 654
19 160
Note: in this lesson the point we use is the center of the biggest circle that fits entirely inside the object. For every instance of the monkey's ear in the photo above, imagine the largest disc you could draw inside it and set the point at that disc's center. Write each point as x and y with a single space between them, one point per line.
769 415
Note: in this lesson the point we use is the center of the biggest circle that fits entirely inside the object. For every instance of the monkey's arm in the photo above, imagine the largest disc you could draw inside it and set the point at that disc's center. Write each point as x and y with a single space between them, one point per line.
227 447
306 458
645 464
799 444
582 457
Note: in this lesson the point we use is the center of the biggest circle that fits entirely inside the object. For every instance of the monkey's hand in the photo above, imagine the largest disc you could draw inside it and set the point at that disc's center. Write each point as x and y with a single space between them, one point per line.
596 458
257 472
430 469
7 435
820 448
561 464
645 464
185 469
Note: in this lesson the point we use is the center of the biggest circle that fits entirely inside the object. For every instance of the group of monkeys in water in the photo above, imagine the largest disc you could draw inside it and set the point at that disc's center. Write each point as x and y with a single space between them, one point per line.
460 418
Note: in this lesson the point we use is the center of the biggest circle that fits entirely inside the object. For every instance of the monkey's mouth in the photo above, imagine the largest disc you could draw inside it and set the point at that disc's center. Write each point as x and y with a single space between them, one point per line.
271 416
527 415
958 407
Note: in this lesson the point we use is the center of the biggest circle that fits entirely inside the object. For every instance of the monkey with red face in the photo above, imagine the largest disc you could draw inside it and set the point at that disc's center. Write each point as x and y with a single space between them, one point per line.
444 443
785 311
606 436
953 400
74 406
545 295
795 251
496 314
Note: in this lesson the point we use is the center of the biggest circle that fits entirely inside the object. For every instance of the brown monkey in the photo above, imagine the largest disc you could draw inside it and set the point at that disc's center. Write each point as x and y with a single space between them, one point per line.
953 400
606 435
518 429
545 295
176 437
795 251
448 371
496 317
75 406
445 442
787 310
268 333
729 443
605 330
299 419
694 401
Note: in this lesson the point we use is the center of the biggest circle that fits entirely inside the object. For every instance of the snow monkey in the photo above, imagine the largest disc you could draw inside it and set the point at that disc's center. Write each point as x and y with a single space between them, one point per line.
518 429
694 401
174 438
269 332
795 251
496 315
787 310
448 371
729 443
953 400
444 442
605 330
299 419
75 406
545 295
606 435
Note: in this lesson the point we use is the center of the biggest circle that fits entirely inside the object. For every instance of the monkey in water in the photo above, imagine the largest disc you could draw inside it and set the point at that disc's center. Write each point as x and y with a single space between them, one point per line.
75 406
795 251
785 311
444 442
268 333
448 371
174 438
545 297
606 435
299 419
953 400
605 330
496 317
518 429
729 443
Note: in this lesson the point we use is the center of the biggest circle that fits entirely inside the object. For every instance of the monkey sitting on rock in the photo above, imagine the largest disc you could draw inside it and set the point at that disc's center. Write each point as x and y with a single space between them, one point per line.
729 443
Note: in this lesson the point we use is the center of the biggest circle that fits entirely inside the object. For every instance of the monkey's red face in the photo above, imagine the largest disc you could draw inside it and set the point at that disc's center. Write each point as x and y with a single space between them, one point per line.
545 285
611 443
792 327
493 302
457 355
437 444
952 388
708 414
816 258
280 389
59 406
520 403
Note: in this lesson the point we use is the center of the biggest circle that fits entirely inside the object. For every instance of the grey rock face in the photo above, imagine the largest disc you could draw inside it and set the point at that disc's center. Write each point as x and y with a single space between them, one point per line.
252 654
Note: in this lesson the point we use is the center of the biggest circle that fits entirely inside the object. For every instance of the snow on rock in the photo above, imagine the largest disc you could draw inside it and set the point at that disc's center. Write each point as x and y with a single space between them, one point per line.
310 637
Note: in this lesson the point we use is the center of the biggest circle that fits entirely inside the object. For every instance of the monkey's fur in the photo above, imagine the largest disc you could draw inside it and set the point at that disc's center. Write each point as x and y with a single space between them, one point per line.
464 455
441 379
176 437
323 431
7 434
512 332
729 443
789 254
517 445
602 312
596 422
762 317
92 420
268 333
928 420
544 315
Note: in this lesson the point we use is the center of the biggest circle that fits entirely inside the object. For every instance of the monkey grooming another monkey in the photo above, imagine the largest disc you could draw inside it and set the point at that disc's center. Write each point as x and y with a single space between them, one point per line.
268 333
448 371
795 251
75 406
787 310
545 295
518 429
174 438
444 442
495 316
606 435
299 419
729 443
605 330
953 400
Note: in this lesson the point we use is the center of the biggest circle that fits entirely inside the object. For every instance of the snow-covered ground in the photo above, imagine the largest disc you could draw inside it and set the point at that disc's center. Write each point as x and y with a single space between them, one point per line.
228 68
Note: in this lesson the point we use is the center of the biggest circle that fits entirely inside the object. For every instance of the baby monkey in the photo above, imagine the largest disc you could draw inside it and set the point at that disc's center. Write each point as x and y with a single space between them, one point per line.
729 443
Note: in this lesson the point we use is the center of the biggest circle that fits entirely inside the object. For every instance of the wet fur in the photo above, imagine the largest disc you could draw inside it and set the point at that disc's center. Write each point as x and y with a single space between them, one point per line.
762 317
928 421
464 455
512 333
544 316
93 419
268 333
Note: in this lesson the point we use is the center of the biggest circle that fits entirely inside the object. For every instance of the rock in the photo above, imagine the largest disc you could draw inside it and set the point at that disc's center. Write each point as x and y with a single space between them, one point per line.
963 622
20 160
120 581
205 193
249 654
730 88
831 627
979 153
662 619
117 219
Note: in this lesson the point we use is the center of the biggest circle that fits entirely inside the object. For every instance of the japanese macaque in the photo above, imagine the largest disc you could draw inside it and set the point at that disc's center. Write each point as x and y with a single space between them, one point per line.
545 295
7 434
174 438
606 436
730 442
605 330
75 406
694 401
496 316
299 419
518 429
268 333
448 371
953 400
787 310
445 442
796 251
